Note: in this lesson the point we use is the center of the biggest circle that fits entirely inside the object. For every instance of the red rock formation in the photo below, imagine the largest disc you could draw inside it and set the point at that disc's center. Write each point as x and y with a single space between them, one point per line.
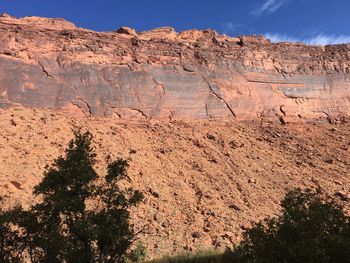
49 63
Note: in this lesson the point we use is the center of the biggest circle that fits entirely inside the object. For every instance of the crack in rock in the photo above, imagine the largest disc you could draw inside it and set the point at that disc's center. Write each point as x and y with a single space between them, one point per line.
282 110
207 111
212 91
45 71
272 82
85 103
72 86
160 84
141 112
294 96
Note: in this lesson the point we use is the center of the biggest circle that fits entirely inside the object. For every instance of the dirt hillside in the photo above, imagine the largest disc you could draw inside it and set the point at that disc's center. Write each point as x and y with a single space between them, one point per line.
204 181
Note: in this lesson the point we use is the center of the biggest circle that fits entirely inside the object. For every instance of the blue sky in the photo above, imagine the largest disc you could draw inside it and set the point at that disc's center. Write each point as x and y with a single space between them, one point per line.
310 21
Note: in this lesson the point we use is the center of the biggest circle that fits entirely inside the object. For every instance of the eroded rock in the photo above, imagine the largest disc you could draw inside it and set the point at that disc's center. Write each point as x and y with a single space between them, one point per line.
165 75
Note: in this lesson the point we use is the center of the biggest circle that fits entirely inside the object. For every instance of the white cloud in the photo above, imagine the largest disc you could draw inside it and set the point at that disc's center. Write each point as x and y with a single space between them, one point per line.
270 6
231 27
321 39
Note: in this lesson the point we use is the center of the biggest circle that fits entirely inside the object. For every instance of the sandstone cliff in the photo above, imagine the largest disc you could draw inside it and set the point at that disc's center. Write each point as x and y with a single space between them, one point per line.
161 74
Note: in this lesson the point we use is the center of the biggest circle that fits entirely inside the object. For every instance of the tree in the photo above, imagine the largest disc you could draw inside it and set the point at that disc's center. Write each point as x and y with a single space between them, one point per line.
310 229
81 217
10 241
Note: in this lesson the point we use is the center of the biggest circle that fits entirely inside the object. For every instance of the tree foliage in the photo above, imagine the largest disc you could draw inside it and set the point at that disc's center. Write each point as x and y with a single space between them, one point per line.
81 217
310 229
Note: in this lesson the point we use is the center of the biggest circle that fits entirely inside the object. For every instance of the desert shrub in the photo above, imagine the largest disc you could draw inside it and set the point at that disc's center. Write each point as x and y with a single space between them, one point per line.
81 217
200 256
139 253
310 229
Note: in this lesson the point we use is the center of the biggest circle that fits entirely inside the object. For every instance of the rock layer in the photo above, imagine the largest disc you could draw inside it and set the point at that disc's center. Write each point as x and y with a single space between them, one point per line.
161 74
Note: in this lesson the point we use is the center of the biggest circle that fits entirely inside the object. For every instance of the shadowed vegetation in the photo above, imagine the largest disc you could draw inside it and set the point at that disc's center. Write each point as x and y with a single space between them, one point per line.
311 228
197 257
81 217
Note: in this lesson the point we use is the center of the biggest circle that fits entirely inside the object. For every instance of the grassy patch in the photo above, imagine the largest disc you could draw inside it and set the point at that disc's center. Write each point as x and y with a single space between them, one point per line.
197 257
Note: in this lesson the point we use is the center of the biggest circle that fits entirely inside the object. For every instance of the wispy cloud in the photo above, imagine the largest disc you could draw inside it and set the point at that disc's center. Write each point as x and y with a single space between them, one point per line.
320 39
269 7
231 27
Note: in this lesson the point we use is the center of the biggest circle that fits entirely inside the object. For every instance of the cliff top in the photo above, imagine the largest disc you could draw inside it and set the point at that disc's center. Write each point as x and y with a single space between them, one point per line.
165 33
38 22
169 33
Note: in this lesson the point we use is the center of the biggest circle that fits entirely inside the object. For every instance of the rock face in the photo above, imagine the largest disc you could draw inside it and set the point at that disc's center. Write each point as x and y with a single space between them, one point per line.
161 74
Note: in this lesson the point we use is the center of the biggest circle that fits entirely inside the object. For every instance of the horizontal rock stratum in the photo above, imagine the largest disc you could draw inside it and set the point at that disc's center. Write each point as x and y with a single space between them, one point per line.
162 74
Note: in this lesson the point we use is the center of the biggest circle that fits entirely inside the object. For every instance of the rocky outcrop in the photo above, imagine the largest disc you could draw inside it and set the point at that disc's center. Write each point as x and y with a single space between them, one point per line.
161 74
38 22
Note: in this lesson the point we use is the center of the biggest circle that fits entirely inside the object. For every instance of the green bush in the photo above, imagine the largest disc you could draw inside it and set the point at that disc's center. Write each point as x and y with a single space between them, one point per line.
201 256
81 217
139 253
310 229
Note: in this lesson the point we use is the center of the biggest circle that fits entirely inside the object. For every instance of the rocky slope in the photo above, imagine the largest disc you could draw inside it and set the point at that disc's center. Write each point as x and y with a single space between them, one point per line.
161 74
204 181
205 175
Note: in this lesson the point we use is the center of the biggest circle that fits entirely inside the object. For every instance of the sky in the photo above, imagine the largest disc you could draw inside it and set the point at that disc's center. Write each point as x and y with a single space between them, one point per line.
317 22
